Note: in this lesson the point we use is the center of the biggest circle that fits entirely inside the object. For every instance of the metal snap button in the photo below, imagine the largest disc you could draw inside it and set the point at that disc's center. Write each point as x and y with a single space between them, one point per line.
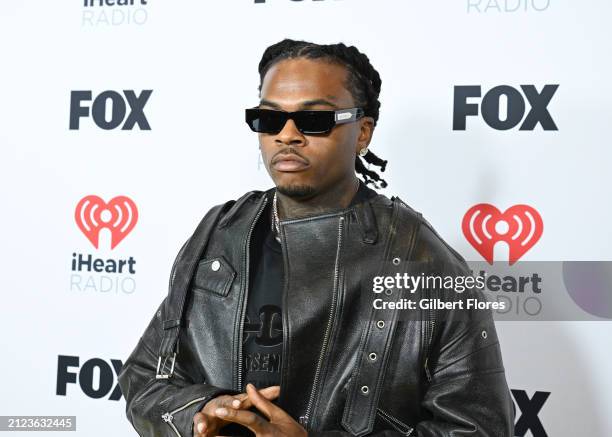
484 334
215 265
365 389
372 356
396 261
388 291
380 324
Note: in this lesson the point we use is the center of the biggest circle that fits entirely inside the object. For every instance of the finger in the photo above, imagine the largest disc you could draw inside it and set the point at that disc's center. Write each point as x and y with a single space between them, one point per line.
237 401
270 388
229 402
242 400
241 396
271 392
265 406
246 418
200 425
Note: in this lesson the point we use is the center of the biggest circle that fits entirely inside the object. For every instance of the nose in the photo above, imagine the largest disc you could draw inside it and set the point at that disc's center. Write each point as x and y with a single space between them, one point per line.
290 135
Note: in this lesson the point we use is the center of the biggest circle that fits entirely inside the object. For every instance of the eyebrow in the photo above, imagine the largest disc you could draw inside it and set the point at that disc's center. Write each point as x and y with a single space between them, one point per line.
304 104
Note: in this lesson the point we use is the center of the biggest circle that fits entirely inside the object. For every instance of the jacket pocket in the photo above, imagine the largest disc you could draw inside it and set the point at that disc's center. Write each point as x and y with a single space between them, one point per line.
214 275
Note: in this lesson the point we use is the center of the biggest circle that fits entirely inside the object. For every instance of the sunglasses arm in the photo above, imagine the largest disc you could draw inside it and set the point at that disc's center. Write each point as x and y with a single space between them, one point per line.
348 115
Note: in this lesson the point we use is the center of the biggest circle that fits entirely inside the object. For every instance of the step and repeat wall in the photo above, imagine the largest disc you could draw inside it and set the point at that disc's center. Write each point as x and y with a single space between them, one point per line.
122 124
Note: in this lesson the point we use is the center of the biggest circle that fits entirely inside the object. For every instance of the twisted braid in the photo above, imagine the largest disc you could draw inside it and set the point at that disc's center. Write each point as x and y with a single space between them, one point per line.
362 81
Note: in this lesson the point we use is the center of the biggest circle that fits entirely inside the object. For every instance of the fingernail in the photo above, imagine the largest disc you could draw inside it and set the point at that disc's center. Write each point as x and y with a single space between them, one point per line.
200 426
236 403
221 412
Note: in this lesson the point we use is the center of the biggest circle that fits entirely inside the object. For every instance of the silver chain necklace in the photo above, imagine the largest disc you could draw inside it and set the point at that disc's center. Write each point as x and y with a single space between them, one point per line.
275 220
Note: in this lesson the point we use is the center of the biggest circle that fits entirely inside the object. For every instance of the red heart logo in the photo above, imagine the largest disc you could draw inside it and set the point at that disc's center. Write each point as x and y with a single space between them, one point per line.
520 227
93 214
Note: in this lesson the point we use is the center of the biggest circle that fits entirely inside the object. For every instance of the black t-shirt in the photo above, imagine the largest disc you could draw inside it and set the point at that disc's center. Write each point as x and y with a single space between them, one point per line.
263 329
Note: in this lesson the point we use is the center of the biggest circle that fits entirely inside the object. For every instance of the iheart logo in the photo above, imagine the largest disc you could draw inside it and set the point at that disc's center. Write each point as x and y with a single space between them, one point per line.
93 214
520 226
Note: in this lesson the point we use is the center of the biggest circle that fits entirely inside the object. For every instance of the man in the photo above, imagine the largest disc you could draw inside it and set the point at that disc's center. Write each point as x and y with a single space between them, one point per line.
268 290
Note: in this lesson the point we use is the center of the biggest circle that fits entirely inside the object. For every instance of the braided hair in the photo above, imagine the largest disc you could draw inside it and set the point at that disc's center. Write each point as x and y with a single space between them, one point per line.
363 82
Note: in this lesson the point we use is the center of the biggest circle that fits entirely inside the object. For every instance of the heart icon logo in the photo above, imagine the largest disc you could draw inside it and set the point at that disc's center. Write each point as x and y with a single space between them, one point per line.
520 226
93 214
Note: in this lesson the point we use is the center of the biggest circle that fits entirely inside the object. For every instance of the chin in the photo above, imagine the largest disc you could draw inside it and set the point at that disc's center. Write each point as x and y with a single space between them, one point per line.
296 190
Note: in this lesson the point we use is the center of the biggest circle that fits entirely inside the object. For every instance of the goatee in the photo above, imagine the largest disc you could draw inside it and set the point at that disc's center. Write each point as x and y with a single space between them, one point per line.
296 191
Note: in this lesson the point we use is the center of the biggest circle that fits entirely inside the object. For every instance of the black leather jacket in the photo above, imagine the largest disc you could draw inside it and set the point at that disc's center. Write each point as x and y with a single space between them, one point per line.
346 369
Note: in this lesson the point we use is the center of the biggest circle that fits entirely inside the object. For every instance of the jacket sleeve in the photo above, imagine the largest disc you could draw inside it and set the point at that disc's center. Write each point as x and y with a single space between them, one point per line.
468 393
161 407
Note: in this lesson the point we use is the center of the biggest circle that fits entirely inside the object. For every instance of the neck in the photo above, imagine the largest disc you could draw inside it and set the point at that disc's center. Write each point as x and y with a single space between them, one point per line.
338 197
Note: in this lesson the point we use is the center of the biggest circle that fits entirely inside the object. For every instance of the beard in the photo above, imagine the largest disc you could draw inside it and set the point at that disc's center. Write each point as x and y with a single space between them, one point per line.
296 191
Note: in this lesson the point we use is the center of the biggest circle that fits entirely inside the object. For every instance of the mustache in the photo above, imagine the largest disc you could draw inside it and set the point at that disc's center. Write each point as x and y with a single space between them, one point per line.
286 153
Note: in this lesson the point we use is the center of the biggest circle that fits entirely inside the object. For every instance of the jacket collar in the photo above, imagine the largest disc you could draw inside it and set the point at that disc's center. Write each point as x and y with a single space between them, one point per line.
360 207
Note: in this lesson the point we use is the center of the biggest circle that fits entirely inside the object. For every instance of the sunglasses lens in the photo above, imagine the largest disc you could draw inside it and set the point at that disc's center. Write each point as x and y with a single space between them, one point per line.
314 122
265 120
272 122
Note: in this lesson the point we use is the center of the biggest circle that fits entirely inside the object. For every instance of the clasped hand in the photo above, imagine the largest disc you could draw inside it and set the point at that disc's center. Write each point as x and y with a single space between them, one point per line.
222 410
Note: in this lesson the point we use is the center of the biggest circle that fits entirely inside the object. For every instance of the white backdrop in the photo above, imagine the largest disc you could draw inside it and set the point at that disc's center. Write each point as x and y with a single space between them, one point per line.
200 61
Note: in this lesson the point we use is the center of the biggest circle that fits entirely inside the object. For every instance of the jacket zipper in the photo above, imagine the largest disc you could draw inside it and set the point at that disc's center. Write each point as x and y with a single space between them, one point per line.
430 325
306 417
245 267
167 417
396 423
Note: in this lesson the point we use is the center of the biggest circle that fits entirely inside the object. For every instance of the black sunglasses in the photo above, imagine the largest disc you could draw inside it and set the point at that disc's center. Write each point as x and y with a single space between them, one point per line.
271 121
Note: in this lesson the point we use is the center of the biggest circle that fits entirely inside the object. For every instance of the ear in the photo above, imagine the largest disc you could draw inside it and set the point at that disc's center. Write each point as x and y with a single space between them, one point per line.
366 130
